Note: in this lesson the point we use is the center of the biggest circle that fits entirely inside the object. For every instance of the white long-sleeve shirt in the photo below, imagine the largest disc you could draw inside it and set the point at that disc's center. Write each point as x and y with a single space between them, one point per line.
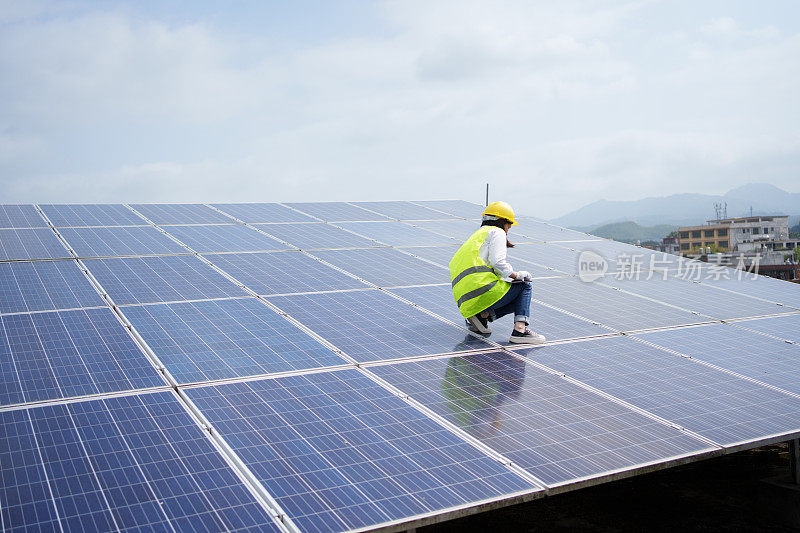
493 251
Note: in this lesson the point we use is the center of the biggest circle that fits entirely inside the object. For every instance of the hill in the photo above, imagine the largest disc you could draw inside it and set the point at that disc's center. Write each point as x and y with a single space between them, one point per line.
630 231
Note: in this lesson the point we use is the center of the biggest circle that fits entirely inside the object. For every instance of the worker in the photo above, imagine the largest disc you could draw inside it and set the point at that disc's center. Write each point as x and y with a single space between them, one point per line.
485 286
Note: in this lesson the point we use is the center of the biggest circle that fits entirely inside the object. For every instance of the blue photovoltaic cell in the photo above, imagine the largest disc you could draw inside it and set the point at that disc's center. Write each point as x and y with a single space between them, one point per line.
715 404
610 307
335 211
181 214
385 267
372 326
403 210
263 213
135 280
765 287
396 233
696 297
440 255
129 463
339 452
91 215
554 325
123 241
224 238
283 272
201 341
534 230
20 216
562 259
316 236
460 230
459 208
783 327
554 429
69 353
621 256
23 244
44 285
770 361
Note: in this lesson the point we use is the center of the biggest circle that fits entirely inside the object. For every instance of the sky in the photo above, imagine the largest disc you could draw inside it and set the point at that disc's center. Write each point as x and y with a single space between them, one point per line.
554 104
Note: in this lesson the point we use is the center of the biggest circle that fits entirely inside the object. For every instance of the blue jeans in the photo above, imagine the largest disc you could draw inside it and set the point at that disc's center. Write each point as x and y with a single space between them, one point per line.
517 300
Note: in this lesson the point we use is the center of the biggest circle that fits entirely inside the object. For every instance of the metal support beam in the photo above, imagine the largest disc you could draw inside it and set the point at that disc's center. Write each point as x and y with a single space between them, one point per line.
794 460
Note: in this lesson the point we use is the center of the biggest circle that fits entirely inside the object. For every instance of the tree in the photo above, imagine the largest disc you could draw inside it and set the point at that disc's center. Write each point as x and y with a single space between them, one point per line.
797 254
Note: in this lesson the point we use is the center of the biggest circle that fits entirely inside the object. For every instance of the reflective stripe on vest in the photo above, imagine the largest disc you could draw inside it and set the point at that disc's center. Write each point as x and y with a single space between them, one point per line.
475 285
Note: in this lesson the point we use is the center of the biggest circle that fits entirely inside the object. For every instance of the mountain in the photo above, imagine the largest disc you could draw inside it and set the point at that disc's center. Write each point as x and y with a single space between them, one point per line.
630 231
686 209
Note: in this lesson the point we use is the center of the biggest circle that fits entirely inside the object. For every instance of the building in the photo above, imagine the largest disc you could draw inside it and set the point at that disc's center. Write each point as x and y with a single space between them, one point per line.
733 234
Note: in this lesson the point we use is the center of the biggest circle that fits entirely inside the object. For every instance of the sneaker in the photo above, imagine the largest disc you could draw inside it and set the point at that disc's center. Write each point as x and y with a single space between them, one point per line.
528 337
479 324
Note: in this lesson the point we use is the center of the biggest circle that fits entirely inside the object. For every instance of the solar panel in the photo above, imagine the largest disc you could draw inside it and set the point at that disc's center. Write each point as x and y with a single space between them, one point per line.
137 280
44 285
263 213
403 210
784 327
459 208
696 297
219 339
770 361
339 452
20 216
24 244
607 306
541 231
554 429
457 229
224 238
562 259
712 403
283 272
385 267
63 354
744 283
372 326
335 211
91 215
136 462
316 236
181 214
122 241
396 233
553 324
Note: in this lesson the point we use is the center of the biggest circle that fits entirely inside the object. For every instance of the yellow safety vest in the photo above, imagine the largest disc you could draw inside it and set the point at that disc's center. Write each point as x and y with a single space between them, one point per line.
475 285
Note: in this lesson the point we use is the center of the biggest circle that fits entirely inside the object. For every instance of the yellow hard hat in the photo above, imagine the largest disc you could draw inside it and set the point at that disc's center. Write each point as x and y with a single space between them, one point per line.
502 210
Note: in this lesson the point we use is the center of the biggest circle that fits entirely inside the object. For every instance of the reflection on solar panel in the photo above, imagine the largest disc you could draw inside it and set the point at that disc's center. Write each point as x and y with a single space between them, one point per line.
554 325
784 327
69 353
371 325
556 430
459 208
20 216
283 272
715 404
91 215
396 233
610 307
181 214
316 236
263 213
385 267
403 210
291 418
339 452
335 211
200 341
24 244
136 462
224 238
136 280
44 285
733 349
115 242
696 297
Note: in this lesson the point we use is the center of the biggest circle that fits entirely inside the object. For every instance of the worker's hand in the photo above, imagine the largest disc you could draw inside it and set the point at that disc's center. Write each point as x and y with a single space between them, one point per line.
523 275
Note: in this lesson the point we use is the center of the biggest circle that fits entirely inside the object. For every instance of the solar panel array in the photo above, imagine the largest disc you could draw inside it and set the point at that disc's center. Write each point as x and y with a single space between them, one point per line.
302 367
